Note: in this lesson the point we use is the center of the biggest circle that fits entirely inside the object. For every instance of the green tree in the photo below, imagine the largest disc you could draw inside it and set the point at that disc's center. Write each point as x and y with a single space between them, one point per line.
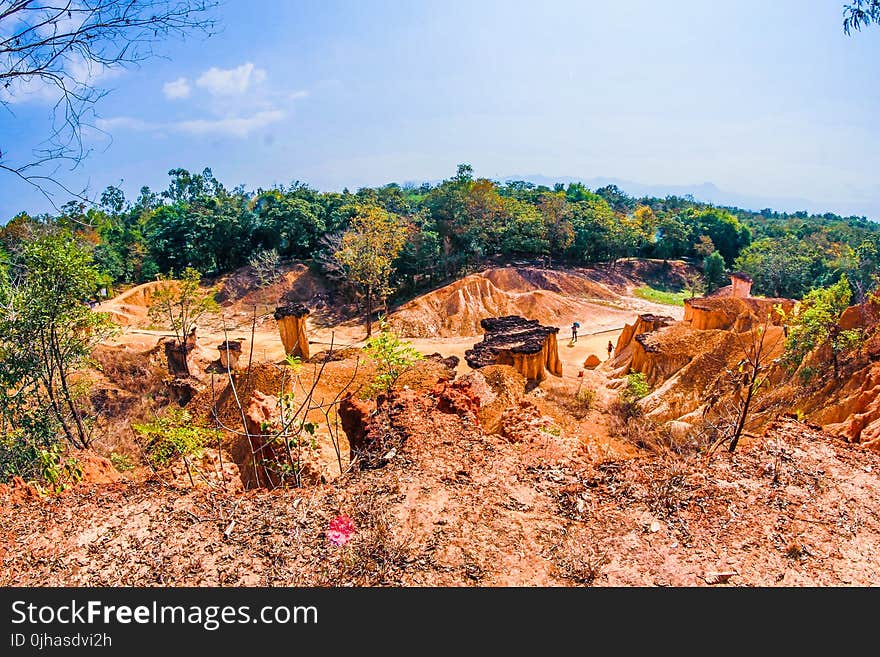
816 322
674 238
367 251
288 223
392 357
47 331
713 270
559 231
180 304
728 235
785 267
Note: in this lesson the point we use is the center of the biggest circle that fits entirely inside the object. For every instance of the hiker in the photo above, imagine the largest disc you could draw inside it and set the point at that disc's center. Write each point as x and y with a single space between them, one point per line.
610 349
574 332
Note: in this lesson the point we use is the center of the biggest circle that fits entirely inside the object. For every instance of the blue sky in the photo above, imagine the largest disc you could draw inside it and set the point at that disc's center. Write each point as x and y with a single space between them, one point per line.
769 100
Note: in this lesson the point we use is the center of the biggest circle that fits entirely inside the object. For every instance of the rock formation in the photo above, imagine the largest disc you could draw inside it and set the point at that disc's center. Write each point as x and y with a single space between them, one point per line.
646 323
740 287
592 362
291 319
522 343
497 389
230 352
181 389
261 456
733 313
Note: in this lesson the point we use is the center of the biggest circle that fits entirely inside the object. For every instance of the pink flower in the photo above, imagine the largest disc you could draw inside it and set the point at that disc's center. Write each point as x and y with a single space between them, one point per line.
340 530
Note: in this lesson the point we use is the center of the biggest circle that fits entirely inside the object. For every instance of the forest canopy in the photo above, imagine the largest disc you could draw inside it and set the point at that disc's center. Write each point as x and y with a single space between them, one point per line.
451 228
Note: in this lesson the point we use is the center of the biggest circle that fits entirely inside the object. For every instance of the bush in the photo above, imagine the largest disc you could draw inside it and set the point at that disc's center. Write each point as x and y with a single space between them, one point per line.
121 462
43 464
585 399
173 436
636 387
392 356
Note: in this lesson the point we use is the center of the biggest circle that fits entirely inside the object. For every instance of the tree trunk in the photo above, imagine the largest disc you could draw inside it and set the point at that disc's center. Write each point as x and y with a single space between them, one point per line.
369 312
741 421
62 375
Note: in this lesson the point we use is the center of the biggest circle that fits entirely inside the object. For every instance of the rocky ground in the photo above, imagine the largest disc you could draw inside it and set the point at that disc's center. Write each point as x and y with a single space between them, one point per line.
468 478
454 507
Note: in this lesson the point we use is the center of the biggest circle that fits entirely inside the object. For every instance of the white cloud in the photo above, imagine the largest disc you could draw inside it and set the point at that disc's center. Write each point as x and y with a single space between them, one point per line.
231 81
78 73
29 89
123 123
297 95
175 89
86 72
233 127
239 127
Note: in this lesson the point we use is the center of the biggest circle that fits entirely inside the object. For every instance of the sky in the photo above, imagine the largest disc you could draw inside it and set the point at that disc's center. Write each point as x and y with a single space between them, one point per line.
767 100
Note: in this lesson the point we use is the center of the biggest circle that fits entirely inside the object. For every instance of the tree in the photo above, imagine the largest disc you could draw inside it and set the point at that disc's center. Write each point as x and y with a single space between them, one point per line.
560 233
182 303
859 14
47 331
674 238
288 223
704 246
713 270
865 274
63 47
786 267
392 356
753 373
694 283
816 323
728 235
367 251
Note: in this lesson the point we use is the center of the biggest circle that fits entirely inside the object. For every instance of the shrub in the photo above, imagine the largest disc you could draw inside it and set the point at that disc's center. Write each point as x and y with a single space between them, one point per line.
585 398
173 436
121 462
265 264
636 387
392 356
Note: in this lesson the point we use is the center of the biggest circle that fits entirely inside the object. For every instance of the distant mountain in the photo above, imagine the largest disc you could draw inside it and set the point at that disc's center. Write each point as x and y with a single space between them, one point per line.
709 193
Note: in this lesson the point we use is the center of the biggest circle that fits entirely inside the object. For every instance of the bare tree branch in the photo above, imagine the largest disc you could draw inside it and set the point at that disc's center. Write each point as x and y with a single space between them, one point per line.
60 49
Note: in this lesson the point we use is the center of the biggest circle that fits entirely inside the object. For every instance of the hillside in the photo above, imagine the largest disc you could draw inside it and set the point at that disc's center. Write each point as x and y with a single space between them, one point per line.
463 476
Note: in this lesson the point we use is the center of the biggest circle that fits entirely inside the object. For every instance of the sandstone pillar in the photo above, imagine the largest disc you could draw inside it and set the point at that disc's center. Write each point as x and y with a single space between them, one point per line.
291 320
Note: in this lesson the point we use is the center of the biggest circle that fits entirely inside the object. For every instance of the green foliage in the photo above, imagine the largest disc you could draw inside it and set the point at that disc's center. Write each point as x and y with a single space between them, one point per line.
662 296
367 251
636 387
56 468
816 323
452 228
392 357
713 270
46 332
173 435
785 267
121 462
265 264
180 304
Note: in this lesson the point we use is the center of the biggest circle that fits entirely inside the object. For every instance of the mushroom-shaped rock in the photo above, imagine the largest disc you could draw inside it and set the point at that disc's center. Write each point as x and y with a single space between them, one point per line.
523 343
291 319
230 352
